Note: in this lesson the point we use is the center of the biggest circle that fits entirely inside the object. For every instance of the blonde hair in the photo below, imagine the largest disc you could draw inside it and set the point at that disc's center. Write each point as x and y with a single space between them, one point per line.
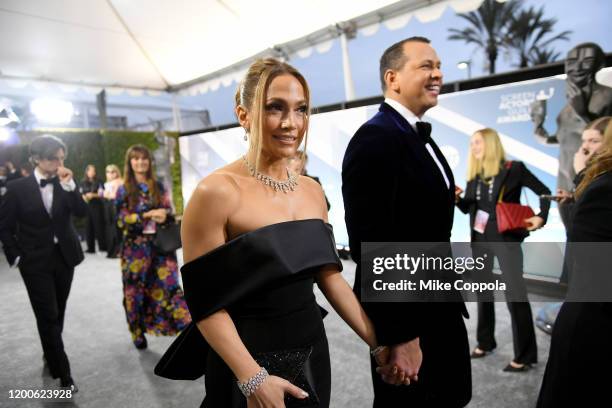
252 92
599 163
494 155
115 168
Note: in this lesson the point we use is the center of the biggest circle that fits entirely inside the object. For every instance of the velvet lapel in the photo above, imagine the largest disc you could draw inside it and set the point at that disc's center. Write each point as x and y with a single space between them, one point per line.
422 154
447 169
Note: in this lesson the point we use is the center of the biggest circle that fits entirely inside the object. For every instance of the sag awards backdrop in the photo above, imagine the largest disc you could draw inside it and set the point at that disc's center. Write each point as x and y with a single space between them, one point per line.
458 115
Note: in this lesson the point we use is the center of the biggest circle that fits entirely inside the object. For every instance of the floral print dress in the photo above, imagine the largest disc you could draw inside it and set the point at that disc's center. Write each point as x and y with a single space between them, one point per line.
152 297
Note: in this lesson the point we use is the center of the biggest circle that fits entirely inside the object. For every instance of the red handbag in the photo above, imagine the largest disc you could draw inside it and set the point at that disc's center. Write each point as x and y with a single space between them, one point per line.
511 216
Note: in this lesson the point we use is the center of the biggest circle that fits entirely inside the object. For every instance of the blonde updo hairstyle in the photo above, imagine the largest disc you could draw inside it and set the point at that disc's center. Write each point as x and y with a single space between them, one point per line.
252 94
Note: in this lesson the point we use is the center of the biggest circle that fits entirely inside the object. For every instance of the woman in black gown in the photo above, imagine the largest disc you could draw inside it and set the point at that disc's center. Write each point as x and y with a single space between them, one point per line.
255 239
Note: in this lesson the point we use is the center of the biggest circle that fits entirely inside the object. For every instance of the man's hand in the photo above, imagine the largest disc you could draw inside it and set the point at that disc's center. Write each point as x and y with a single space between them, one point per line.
403 364
64 174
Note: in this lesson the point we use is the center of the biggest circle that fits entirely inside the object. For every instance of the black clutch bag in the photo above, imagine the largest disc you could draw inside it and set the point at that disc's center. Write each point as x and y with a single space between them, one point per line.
293 366
168 237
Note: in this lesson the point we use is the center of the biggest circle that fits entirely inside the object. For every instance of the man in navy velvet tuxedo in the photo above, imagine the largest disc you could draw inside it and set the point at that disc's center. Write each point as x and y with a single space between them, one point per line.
398 187
39 238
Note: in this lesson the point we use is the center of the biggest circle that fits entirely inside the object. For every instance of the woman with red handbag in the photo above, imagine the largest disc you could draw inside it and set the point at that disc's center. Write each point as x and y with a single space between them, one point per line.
498 226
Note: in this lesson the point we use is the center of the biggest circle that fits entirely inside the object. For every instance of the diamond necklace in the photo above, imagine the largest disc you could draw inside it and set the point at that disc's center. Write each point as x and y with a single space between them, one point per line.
284 186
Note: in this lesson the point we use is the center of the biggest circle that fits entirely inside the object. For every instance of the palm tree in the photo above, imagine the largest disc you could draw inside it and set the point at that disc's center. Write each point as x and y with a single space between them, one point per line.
527 36
543 56
488 27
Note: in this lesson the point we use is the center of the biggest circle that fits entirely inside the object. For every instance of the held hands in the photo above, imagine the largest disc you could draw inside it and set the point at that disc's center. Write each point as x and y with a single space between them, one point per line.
534 223
271 394
400 364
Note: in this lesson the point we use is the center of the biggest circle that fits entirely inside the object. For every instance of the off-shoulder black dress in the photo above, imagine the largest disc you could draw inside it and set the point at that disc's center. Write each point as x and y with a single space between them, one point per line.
264 280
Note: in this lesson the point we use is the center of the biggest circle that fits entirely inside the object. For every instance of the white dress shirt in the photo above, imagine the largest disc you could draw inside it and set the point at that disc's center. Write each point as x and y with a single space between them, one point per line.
412 120
47 191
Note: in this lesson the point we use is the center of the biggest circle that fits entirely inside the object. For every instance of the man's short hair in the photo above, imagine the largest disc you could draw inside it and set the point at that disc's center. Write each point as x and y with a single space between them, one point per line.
45 147
394 57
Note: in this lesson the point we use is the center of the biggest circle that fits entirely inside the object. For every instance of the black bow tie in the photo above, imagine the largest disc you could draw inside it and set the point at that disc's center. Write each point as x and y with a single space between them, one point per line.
44 182
424 131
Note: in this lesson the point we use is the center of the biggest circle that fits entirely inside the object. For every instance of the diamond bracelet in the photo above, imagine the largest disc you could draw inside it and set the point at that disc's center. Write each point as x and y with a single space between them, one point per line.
375 351
252 384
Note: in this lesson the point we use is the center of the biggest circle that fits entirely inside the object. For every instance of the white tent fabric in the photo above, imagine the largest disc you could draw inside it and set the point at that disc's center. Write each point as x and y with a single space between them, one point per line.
158 45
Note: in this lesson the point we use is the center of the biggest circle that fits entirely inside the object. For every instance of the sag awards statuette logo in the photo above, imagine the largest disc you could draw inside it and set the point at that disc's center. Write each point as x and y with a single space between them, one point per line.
516 107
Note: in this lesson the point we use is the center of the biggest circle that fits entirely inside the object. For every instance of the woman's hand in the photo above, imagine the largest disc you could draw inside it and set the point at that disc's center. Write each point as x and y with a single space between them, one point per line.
158 215
564 196
581 157
534 223
271 394
458 192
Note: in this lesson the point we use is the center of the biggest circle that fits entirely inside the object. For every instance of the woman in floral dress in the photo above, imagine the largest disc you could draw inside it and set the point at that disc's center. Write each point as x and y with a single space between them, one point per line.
152 297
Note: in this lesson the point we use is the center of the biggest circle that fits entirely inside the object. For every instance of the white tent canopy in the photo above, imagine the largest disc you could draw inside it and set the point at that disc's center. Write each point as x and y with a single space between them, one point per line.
162 45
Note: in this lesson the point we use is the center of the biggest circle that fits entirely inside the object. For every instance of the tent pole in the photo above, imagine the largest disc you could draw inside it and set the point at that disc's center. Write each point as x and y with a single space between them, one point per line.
349 86
176 113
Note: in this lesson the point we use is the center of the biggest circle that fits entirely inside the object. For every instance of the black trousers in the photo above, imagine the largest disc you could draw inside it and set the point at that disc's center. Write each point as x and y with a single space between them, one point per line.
510 257
113 234
95 228
48 287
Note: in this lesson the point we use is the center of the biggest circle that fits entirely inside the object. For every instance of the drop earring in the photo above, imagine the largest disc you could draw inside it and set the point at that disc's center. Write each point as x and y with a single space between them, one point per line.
246 135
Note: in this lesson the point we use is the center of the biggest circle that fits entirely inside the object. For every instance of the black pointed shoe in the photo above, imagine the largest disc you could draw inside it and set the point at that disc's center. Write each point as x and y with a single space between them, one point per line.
479 353
141 343
512 369
68 382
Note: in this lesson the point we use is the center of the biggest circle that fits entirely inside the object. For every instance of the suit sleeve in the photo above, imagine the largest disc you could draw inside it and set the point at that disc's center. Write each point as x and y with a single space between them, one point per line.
8 216
78 206
534 184
369 188
465 203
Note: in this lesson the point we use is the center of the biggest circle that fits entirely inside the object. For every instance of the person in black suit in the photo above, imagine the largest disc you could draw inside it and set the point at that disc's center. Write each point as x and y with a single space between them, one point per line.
580 354
491 179
398 187
38 236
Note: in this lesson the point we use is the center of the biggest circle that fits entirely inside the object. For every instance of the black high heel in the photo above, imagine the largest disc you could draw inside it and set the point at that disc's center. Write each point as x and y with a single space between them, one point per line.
480 353
512 369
